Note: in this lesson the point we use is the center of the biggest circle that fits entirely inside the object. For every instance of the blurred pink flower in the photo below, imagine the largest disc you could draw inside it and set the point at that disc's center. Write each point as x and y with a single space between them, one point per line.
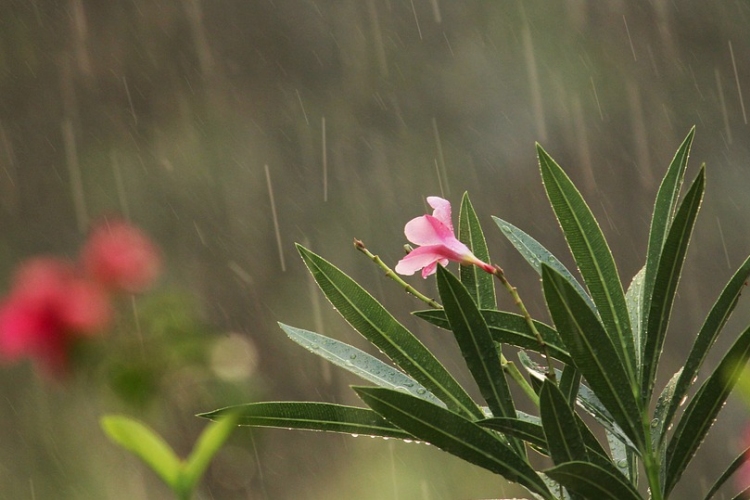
438 243
121 257
48 307
742 476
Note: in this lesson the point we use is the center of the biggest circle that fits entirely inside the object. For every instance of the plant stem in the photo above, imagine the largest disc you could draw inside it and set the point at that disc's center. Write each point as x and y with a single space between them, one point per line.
512 370
359 245
500 275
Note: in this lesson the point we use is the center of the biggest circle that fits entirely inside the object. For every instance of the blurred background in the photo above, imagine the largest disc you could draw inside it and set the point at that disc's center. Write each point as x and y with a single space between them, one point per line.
231 129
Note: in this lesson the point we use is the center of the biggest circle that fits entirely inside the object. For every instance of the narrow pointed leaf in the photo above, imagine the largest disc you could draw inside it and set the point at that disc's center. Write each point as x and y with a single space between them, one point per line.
733 467
666 281
664 209
377 325
509 328
624 458
146 444
477 347
593 353
592 481
536 254
454 434
531 432
634 301
359 363
659 425
209 443
480 284
594 259
312 417
569 383
560 426
702 410
714 323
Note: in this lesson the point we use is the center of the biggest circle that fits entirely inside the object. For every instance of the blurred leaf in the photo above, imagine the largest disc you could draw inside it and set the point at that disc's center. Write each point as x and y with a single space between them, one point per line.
665 284
146 444
634 301
560 427
376 324
701 413
593 353
715 321
480 284
594 259
593 481
477 347
661 220
209 443
358 362
536 254
313 417
453 433
508 328
733 467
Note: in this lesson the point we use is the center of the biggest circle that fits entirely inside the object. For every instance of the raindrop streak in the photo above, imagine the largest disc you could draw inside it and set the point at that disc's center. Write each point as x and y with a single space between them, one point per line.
436 12
275 219
723 104
536 93
130 101
325 158
304 113
260 469
439 178
416 19
596 98
119 185
378 36
737 80
723 243
74 170
442 173
632 49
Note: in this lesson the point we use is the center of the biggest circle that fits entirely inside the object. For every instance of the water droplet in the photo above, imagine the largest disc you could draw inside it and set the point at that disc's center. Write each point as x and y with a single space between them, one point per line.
655 423
622 463
507 229
355 435
315 347
352 356
682 401
408 441
421 391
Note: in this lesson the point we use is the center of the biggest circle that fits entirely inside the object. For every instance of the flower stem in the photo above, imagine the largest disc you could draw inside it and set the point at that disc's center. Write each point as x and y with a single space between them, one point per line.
359 245
512 370
500 275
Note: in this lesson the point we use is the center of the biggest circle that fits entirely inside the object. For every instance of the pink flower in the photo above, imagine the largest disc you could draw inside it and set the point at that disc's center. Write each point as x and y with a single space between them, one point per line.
438 243
121 257
49 306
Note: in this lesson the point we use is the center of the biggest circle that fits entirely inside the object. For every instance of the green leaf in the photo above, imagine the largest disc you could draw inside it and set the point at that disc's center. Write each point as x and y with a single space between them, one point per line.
209 443
665 283
146 444
593 353
535 253
702 410
477 347
454 434
508 328
714 323
560 426
664 209
733 467
358 362
593 481
569 383
624 458
376 324
594 259
658 423
634 301
480 284
530 432
312 417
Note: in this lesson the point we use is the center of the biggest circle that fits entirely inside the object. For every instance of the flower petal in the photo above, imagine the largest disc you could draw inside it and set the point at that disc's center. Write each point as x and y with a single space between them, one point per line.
427 230
441 210
419 258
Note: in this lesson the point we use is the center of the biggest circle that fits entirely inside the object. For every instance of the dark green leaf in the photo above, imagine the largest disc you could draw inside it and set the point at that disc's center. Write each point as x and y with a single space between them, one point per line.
593 481
634 301
477 347
530 432
358 362
535 253
312 417
560 426
376 324
508 328
624 458
569 383
715 321
702 410
453 433
733 467
664 209
658 423
593 353
479 283
665 283
594 259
